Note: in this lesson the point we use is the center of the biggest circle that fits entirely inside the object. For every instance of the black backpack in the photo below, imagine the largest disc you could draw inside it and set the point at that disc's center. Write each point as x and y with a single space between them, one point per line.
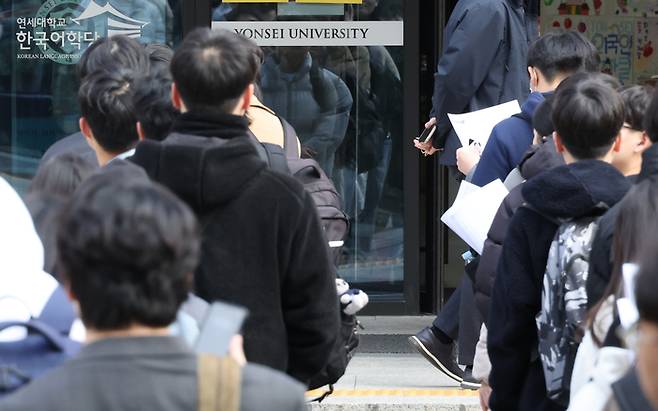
335 226
328 203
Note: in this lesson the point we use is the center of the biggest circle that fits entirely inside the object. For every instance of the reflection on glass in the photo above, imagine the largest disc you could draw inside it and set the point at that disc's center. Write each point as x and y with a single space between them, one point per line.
346 106
40 43
313 100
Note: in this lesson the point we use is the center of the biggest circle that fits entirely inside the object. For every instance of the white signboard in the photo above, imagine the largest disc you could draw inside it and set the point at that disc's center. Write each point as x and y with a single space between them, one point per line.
316 33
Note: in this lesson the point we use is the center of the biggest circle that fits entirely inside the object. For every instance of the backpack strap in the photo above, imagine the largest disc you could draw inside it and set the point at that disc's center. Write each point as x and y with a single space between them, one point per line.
276 158
218 380
57 340
290 146
58 312
272 154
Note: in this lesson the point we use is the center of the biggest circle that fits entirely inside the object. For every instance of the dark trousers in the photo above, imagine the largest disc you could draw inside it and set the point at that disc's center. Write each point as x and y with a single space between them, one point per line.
460 320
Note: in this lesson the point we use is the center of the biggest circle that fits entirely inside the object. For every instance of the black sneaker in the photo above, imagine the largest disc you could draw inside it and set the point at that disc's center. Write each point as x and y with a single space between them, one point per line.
469 382
441 355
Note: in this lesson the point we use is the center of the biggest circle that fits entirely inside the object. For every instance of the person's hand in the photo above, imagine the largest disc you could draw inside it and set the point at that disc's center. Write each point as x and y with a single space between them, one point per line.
426 147
236 350
485 393
467 158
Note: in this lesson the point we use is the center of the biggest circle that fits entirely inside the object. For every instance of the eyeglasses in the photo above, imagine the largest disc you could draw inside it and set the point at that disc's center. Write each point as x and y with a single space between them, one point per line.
628 126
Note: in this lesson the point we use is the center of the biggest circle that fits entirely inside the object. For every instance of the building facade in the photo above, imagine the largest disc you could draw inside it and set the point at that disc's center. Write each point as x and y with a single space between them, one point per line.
354 78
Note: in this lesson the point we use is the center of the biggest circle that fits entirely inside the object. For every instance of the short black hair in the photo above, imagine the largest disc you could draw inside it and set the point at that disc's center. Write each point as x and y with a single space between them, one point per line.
651 119
61 175
127 249
153 105
160 56
588 115
563 52
212 68
107 103
636 102
114 52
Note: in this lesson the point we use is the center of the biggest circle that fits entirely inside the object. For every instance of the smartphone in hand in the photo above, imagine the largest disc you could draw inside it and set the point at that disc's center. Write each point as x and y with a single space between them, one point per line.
221 323
427 134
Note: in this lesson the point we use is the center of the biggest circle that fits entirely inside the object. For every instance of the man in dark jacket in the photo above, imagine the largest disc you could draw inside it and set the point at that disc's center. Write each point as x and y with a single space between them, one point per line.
551 59
588 116
483 64
600 267
538 159
109 53
262 244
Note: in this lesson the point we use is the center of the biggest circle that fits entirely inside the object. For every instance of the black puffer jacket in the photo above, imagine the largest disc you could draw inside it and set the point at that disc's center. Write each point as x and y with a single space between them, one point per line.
566 192
600 266
537 159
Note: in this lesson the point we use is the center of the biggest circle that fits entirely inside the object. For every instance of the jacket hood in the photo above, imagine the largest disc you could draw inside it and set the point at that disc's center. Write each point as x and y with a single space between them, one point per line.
532 102
540 158
649 163
204 171
271 66
580 189
24 286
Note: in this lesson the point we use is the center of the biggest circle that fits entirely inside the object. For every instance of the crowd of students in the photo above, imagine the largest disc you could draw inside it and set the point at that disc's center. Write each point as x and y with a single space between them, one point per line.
164 197
580 164
163 194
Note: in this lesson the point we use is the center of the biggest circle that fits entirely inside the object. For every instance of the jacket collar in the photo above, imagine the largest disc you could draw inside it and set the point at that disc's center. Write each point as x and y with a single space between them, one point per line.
211 124
134 347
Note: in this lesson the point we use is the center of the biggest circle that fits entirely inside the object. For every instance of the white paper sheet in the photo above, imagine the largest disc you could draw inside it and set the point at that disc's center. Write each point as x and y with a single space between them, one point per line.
471 215
477 125
465 188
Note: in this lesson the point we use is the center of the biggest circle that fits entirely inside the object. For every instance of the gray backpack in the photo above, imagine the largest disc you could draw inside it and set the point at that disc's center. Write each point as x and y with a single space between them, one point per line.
564 303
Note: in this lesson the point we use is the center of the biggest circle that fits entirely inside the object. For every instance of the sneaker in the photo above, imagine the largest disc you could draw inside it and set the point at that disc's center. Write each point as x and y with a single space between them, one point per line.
440 355
469 382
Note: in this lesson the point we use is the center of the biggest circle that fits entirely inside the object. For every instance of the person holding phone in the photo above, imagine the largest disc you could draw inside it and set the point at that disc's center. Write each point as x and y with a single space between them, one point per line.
483 64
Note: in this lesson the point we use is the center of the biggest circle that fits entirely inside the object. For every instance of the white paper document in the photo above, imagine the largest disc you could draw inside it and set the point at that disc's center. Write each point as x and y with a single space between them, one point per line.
473 211
477 125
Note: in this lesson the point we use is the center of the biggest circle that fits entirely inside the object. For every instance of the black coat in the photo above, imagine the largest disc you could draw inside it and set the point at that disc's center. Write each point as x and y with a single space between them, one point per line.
537 159
484 63
262 245
566 192
600 266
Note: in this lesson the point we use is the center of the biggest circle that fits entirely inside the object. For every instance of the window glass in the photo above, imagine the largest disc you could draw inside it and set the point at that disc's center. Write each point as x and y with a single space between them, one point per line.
40 44
340 87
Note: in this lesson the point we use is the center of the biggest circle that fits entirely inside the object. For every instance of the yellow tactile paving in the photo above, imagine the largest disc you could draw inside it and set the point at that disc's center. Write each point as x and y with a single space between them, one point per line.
404 392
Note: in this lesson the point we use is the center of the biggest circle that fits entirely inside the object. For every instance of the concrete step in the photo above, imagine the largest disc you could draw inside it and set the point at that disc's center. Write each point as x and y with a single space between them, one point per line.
389 334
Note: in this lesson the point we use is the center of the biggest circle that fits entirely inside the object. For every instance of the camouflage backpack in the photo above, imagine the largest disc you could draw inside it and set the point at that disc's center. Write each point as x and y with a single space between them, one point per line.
564 304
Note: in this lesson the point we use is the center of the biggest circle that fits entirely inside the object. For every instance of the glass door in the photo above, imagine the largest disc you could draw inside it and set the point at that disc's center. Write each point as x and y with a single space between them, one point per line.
335 72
